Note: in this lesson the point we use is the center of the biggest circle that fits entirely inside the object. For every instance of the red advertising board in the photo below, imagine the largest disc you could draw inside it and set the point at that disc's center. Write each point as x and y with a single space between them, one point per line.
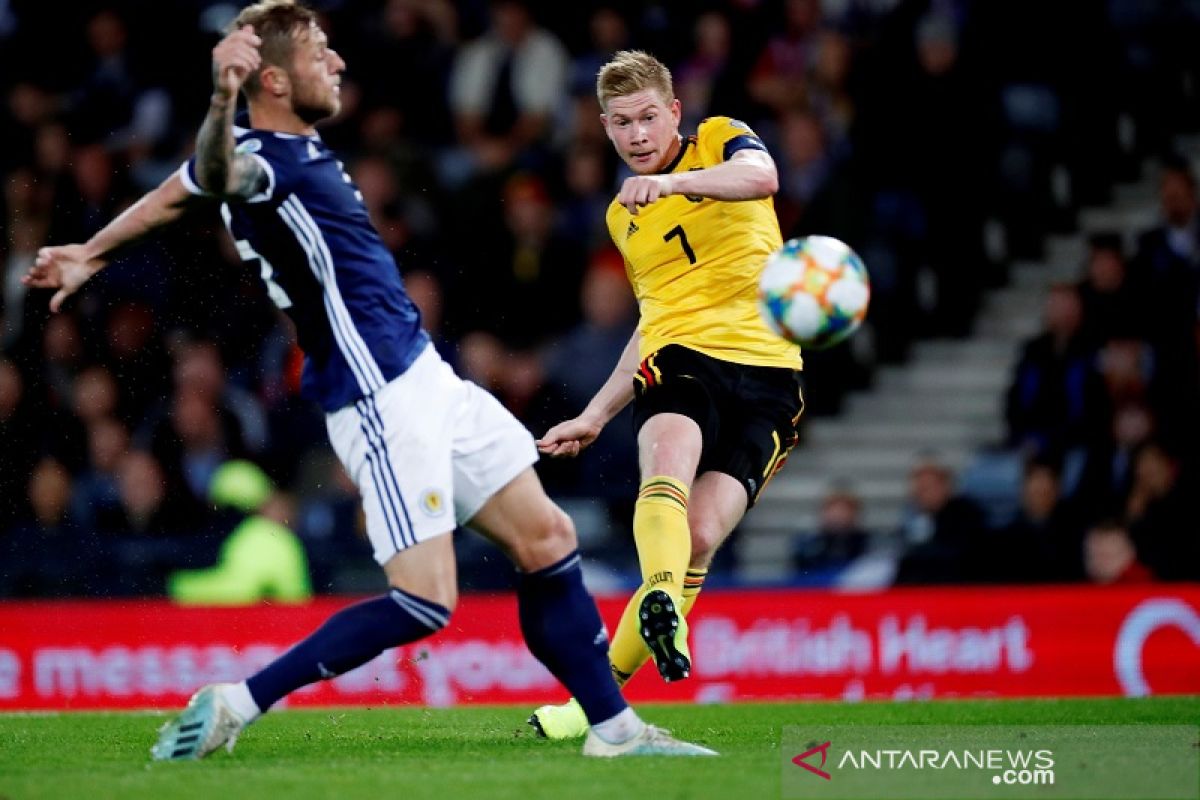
969 642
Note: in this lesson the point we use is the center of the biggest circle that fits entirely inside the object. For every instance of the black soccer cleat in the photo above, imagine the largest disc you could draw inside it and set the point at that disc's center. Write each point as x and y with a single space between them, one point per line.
665 631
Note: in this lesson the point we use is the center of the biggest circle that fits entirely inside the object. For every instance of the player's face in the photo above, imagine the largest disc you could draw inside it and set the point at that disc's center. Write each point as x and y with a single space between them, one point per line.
644 127
316 76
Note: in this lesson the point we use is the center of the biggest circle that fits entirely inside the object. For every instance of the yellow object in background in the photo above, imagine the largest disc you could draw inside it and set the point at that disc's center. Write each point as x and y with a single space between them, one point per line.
262 559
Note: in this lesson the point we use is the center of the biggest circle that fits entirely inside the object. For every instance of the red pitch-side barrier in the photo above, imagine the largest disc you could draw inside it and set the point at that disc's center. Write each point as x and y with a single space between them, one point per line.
969 642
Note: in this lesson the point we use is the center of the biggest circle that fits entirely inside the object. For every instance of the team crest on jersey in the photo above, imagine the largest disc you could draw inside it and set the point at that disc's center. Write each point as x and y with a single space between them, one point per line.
632 229
249 146
433 503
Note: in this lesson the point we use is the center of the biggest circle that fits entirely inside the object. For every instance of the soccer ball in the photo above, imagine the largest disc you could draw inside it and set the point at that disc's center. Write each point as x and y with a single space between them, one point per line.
814 291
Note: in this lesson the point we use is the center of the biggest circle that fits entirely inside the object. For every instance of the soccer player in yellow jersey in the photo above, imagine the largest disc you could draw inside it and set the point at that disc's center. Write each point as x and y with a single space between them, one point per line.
716 394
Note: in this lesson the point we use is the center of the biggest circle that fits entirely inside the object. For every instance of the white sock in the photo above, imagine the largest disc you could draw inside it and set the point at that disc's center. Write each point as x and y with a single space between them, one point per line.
621 728
238 696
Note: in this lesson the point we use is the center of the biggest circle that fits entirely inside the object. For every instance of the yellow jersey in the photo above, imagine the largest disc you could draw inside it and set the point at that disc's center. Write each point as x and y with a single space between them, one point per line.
695 262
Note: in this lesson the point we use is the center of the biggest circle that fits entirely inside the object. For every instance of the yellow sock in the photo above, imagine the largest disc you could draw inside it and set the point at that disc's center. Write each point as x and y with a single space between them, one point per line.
664 545
660 528
628 652
693 582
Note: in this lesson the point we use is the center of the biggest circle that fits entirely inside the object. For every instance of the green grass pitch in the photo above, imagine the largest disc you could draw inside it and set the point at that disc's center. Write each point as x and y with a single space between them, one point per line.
467 753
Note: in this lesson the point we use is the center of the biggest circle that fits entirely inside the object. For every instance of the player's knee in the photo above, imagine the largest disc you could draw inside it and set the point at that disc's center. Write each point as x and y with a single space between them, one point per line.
706 538
549 537
443 593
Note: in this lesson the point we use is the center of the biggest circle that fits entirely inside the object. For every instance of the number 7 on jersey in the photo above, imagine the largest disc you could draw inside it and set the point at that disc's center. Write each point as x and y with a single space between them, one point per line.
678 231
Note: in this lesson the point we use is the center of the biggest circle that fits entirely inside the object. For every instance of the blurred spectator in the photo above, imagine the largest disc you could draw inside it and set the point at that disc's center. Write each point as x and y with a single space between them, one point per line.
1174 247
839 538
703 82
1109 556
581 213
48 553
426 293
112 105
146 507
505 87
1113 304
261 559
944 137
18 432
1043 543
579 363
806 167
1161 514
941 532
135 355
1056 400
194 439
523 286
1106 472
96 489
1168 259
411 37
780 74
200 370
608 33
62 357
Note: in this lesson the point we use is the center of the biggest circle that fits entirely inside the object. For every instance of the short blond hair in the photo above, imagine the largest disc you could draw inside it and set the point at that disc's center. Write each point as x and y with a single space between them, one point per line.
631 71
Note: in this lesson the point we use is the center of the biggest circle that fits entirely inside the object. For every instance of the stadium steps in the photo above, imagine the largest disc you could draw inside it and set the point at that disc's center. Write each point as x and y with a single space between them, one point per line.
948 398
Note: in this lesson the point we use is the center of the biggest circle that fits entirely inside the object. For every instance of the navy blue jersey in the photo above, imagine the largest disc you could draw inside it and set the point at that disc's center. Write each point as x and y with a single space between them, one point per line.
323 263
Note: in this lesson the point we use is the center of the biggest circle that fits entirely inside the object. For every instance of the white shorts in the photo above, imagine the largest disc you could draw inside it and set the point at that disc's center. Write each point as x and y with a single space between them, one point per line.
426 452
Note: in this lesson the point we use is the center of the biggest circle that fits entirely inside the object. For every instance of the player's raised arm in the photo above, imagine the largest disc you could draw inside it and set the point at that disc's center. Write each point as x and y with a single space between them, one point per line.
747 175
219 170
68 267
569 437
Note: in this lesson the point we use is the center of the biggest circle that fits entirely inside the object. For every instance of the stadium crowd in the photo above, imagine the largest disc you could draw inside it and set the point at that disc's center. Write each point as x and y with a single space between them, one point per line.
940 138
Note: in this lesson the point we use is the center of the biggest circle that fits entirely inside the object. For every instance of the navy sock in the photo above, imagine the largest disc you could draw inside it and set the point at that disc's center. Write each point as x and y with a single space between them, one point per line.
564 631
351 637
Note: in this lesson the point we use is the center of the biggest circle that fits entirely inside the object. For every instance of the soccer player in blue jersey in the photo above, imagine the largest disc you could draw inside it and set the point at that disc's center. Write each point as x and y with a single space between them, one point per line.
426 449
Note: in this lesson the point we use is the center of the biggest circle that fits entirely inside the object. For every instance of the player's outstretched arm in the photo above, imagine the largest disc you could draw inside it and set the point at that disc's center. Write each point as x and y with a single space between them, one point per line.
570 437
219 170
68 267
747 175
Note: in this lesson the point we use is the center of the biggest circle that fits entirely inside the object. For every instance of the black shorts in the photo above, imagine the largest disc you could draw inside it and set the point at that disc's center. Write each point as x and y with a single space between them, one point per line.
747 415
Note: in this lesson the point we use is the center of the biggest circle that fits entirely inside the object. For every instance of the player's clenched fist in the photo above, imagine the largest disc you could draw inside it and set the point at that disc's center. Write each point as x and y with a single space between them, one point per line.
642 190
234 58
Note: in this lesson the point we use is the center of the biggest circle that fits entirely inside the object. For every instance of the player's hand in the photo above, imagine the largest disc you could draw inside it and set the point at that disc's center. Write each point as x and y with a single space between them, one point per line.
65 268
234 58
567 439
642 190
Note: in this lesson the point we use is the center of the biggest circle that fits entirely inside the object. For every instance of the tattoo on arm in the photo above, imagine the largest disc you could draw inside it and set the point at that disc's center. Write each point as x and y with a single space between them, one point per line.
218 168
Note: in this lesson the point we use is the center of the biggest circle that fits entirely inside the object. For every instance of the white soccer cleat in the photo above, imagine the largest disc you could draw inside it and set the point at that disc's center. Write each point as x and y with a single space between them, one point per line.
652 741
566 721
207 723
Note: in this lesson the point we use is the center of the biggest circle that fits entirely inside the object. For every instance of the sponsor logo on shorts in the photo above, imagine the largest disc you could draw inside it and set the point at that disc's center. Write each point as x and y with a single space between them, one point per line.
433 502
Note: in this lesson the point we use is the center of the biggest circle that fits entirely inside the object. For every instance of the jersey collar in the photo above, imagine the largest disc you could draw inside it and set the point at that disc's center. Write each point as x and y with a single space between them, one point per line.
684 143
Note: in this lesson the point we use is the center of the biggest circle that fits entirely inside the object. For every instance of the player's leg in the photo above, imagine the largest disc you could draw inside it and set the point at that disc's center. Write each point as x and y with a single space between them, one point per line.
407 519
676 417
715 507
559 619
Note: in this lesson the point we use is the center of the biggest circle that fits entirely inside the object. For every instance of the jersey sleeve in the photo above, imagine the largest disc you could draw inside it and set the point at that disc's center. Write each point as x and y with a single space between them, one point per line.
246 147
718 138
